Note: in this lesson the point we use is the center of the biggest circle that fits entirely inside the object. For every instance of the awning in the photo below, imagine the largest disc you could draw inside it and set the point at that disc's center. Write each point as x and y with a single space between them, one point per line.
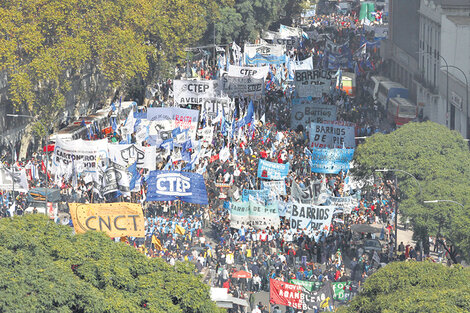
39 194
364 228
242 274
223 300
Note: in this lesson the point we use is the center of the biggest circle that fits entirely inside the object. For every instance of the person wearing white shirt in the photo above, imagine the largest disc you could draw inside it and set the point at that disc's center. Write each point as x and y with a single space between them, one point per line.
256 310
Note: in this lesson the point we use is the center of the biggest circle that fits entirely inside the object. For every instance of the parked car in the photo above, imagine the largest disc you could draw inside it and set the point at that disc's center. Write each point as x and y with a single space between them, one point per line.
371 245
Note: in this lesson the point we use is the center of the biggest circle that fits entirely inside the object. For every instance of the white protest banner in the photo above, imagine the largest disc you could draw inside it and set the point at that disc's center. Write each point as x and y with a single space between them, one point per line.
241 86
330 135
288 31
165 120
263 216
306 64
251 50
310 217
258 72
239 214
253 214
126 155
289 42
79 154
207 134
345 203
161 123
307 194
306 111
212 106
193 91
16 178
265 54
313 83
278 187
269 35
142 130
114 178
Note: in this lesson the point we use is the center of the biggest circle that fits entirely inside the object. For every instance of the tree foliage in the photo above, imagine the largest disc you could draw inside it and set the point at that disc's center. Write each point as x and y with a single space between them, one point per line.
45 268
243 20
45 44
440 160
411 287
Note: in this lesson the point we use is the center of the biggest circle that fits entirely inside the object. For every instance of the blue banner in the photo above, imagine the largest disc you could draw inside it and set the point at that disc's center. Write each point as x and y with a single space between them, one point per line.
270 170
329 167
258 195
336 61
265 59
173 185
331 161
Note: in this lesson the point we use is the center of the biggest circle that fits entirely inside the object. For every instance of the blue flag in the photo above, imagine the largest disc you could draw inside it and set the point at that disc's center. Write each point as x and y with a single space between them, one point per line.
250 112
135 175
175 132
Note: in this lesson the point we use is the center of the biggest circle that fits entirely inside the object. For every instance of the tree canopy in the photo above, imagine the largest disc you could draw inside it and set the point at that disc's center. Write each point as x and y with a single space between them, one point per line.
440 160
243 20
411 287
46 268
45 44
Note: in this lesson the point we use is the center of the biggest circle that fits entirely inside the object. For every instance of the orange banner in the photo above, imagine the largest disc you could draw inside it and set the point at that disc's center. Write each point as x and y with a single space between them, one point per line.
115 219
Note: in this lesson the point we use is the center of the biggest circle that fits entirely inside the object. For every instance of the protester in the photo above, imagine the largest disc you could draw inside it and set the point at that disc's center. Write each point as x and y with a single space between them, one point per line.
258 130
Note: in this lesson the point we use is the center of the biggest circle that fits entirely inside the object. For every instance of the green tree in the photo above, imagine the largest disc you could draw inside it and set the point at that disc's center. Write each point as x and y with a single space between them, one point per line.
47 44
440 160
46 268
243 20
414 287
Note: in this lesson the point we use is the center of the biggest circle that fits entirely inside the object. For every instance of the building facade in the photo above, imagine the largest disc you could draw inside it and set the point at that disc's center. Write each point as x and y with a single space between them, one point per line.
436 21
401 48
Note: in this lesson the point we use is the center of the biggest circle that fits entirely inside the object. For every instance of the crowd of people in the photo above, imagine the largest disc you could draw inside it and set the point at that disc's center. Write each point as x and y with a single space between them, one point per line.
178 231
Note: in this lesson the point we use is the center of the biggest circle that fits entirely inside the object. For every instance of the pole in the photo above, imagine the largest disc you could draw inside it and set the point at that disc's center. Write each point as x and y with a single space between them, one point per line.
47 167
396 217
447 91
13 174
215 48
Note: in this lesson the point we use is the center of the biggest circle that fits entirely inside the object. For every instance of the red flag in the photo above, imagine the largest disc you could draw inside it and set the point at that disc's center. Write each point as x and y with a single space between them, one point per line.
43 167
285 294
28 172
214 158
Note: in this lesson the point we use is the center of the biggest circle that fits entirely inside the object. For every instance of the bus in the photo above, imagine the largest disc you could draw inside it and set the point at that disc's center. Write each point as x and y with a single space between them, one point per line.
401 111
348 83
79 129
389 89
376 80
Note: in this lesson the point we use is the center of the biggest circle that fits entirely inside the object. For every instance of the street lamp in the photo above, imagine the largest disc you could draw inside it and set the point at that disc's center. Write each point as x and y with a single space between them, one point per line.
47 158
402 171
437 201
386 170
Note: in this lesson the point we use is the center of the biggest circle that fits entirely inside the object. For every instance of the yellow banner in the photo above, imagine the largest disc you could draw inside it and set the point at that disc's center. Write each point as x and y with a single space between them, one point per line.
116 219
